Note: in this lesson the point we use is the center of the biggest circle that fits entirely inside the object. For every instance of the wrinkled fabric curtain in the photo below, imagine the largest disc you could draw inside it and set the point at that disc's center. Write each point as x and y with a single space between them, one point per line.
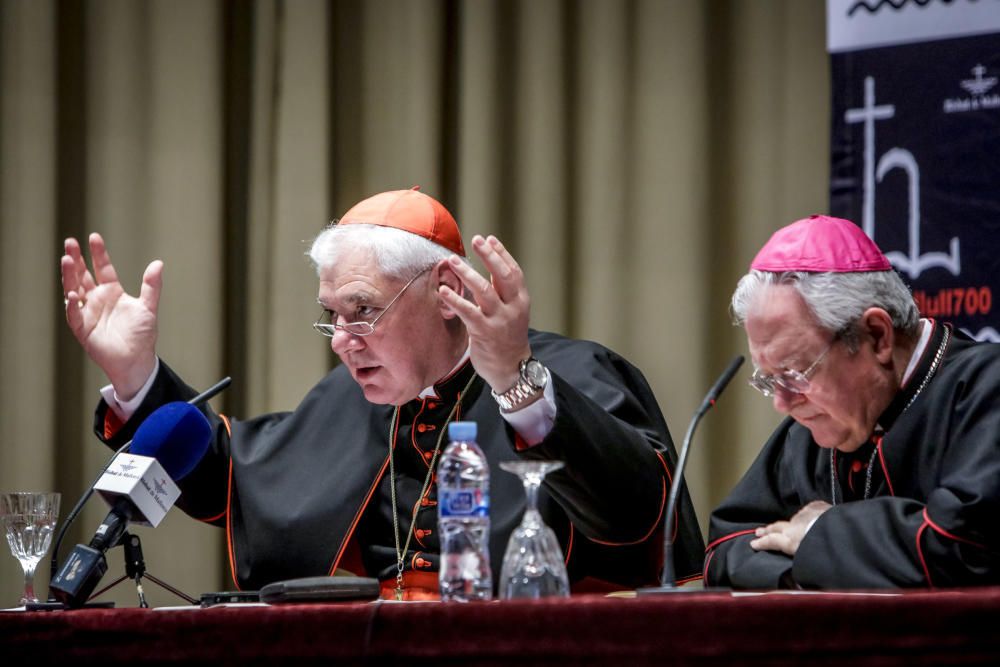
632 154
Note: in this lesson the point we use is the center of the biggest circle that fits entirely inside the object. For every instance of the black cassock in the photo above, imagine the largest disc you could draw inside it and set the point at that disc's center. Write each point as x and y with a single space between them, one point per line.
929 516
305 493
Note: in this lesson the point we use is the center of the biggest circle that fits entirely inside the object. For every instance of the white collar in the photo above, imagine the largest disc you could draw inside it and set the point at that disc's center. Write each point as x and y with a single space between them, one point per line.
926 327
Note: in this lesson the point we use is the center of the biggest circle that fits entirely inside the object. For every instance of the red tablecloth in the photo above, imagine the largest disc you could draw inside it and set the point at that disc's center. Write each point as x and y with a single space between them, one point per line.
917 628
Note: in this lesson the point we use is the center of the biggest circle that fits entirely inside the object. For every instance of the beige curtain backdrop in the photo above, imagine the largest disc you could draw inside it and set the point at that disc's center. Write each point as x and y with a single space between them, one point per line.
633 154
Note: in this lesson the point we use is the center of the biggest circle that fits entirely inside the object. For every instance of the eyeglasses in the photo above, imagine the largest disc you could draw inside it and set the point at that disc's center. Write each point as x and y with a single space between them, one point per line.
795 382
359 327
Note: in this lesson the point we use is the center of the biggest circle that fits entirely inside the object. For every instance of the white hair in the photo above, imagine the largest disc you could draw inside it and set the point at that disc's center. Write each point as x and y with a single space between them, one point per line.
397 253
836 300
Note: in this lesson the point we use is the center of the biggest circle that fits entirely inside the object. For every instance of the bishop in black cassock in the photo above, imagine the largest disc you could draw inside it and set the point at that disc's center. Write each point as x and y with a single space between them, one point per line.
886 472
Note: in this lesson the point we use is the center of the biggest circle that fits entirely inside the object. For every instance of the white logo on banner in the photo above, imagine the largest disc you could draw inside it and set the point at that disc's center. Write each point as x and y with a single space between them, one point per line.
914 263
977 87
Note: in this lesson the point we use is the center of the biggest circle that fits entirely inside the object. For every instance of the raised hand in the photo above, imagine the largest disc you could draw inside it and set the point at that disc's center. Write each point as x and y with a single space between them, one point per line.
497 317
118 331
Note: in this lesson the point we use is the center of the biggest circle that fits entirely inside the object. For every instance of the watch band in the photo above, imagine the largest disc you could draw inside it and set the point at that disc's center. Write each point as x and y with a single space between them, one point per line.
523 391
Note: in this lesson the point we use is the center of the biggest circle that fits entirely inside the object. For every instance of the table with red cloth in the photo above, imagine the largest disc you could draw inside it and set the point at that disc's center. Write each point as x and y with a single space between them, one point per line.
703 628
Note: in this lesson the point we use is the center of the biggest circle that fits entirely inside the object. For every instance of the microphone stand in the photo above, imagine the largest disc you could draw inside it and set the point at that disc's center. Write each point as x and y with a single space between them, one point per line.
135 569
668 578
52 603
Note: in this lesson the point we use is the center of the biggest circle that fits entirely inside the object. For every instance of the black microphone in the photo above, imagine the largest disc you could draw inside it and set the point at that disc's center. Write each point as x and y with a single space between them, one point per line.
667 580
139 486
160 440
203 397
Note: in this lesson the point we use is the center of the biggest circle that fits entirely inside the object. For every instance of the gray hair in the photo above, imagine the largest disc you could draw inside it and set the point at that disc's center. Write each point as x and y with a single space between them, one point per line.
397 253
836 300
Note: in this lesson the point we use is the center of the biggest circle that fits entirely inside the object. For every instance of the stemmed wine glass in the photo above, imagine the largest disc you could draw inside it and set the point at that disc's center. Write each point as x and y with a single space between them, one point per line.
29 520
533 565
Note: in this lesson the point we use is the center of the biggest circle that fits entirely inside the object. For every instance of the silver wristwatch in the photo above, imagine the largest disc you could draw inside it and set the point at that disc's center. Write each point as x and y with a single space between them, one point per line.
530 383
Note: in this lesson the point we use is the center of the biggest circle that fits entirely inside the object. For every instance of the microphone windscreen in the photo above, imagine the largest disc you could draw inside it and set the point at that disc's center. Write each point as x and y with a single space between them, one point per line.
177 435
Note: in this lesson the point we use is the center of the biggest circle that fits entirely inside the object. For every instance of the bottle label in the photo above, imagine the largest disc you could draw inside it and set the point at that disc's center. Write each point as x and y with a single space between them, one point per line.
464 503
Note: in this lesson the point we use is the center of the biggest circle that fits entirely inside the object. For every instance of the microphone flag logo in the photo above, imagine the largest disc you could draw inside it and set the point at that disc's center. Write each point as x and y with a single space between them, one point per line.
143 481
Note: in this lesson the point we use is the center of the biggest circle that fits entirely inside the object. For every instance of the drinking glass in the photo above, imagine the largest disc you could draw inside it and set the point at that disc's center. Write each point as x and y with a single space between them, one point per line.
29 520
533 564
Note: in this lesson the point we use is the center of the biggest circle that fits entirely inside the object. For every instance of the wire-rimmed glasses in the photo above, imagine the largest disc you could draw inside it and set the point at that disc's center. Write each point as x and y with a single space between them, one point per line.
360 327
792 381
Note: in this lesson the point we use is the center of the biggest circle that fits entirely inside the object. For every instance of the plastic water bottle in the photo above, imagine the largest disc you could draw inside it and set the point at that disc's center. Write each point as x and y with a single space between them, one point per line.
464 517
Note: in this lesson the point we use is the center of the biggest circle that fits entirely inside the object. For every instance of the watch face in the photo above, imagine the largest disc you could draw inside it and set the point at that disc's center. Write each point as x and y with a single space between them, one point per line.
534 373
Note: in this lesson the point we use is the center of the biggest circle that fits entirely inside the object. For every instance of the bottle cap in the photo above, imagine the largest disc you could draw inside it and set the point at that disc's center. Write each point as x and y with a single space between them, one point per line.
462 431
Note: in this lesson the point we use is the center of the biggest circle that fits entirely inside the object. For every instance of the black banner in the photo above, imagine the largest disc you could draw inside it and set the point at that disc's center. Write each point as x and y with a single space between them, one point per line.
915 146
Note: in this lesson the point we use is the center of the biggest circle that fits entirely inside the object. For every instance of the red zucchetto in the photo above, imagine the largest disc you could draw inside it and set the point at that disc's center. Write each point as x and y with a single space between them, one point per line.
411 211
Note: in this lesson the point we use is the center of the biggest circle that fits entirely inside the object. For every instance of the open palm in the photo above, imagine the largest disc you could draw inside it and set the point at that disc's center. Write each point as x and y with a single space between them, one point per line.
118 331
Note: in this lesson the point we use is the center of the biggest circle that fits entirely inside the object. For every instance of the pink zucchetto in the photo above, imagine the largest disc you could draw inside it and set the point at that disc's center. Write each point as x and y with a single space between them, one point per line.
819 244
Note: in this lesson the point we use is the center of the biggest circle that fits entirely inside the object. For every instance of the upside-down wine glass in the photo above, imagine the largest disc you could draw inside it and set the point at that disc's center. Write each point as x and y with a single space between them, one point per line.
29 520
533 564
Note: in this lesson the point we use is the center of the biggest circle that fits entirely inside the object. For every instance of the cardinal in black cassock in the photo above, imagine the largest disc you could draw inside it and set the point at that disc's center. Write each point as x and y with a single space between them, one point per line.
347 481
